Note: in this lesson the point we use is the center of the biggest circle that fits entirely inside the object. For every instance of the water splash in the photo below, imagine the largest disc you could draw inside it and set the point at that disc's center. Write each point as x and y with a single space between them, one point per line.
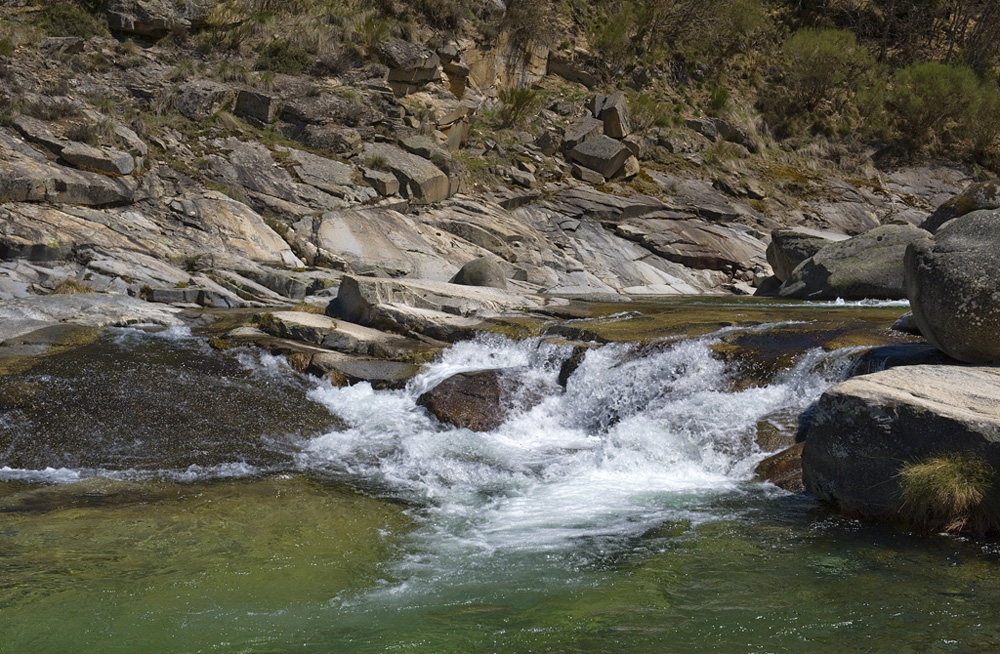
641 436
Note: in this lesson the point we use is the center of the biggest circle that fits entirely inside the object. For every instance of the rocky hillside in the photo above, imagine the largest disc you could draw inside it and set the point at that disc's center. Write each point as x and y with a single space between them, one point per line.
236 153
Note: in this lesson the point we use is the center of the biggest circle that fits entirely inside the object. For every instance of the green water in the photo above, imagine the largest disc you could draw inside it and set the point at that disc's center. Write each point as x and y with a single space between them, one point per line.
291 565
137 527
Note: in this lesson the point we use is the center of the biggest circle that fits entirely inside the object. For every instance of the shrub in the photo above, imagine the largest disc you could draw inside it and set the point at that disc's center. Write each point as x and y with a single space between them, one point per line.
949 493
69 19
931 102
280 56
518 104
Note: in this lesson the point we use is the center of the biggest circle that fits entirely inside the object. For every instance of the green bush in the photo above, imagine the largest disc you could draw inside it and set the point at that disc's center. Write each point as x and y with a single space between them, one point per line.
932 103
280 56
518 104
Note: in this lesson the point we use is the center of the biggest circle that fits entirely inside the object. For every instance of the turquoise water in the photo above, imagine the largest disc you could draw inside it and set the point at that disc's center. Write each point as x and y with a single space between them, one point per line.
618 515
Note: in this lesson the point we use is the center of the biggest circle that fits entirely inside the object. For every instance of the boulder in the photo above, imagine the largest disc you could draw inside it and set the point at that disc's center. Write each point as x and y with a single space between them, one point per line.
979 196
581 130
381 374
952 280
865 429
869 265
790 247
484 271
783 469
201 99
259 108
103 160
481 400
410 65
419 179
614 115
602 154
570 71
697 243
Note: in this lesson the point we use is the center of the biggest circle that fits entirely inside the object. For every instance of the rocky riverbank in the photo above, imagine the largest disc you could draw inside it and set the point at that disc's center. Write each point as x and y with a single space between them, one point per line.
399 206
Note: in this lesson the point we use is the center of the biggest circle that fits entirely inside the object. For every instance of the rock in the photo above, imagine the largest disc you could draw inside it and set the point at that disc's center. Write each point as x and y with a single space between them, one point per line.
483 271
201 99
341 140
697 243
865 429
470 400
704 126
259 108
906 324
419 179
105 160
570 71
783 469
735 134
482 400
381 374
866 266
37 132
976 197
385 184
422 306
156 18
952 280
602 154
585 174
334 177
884 357
92 309
790 247
31 178
410 65
581 130
629 170
614 115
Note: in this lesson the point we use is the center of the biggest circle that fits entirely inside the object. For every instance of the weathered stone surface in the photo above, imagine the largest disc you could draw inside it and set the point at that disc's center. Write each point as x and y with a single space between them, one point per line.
156 18
105 160
952 281
697 243
416 305
94 309
979 196
352 369
37 132
484 271
29 177
259 107
385 184
410 65
600 153
419 179
866 428
581 130
472 400
790 247
201 99
783 469
614 115
866 266
570 70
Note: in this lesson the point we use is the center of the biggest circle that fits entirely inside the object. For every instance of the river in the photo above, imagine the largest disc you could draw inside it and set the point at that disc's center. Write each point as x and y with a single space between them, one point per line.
159 496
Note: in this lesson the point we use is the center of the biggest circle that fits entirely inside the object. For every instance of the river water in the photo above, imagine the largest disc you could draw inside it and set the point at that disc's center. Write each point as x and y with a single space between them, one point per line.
159 496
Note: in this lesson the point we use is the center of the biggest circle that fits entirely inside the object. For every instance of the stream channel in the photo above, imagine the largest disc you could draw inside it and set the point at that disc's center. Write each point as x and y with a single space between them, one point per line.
157 495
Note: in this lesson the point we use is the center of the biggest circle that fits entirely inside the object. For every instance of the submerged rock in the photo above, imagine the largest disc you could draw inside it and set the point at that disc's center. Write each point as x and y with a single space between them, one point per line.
952 281
480 401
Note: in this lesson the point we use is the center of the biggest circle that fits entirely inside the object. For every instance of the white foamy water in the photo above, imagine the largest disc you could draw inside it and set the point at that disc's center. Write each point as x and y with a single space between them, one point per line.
640 437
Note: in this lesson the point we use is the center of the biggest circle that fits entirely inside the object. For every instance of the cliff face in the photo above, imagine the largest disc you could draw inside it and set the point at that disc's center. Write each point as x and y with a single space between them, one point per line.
230 154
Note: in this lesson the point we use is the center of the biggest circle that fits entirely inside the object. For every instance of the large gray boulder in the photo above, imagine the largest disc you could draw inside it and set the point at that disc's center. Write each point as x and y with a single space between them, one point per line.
484 271
790 247
419 179
975 197
869 265
952 282
865 429
601 153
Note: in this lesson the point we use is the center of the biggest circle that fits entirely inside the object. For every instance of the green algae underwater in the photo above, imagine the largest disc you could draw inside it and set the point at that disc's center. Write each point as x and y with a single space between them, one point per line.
229 505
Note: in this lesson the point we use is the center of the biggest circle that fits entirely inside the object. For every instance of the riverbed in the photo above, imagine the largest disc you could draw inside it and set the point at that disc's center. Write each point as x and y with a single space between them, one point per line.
157 495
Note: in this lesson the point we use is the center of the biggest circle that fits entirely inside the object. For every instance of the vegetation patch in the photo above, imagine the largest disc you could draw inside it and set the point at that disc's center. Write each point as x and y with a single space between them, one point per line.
949 493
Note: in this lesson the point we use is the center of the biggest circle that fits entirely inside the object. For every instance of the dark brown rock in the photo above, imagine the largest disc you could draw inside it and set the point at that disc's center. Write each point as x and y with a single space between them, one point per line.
783 469
469 399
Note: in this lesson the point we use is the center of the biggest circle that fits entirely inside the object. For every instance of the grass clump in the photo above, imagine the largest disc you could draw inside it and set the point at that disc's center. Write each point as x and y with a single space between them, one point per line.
69 19
949 493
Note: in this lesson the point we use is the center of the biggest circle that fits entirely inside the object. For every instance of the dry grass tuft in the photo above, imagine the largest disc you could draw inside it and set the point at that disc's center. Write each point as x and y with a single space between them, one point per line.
949 493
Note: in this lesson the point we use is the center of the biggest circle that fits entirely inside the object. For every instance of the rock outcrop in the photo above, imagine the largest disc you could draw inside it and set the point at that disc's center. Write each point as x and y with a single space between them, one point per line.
790 247
979 196
952 282
866 266
865 429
